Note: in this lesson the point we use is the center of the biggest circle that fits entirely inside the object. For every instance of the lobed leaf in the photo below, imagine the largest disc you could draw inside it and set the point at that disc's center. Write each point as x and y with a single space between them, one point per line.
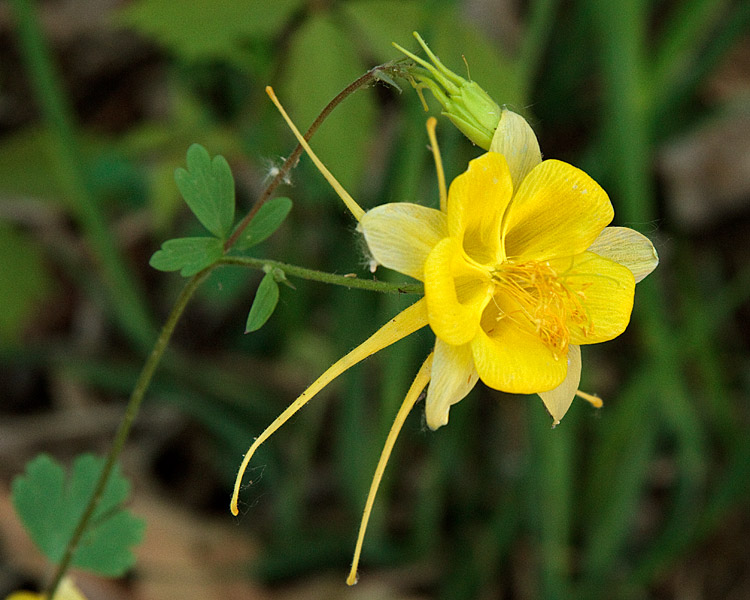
188 255
208 188
51 505
264 303
269 218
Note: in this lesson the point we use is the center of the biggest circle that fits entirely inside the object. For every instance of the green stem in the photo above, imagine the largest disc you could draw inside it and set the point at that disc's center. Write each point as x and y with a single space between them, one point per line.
65 150
144 379
322 276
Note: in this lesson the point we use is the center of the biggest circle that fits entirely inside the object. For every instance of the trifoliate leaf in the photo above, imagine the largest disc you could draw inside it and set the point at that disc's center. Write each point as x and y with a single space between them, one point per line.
208 188
188 255
268 219
264 304
50 506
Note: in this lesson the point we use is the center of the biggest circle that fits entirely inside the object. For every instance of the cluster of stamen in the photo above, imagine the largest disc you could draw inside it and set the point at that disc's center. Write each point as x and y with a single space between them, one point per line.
534 295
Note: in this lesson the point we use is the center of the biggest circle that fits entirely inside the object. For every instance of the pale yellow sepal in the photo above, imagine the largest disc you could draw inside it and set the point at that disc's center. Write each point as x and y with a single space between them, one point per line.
67 590
453 377
629 248
420 381
403 324
516 141
401 235
559 399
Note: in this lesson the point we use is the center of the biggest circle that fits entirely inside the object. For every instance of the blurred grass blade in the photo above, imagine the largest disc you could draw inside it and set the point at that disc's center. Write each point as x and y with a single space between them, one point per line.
127 300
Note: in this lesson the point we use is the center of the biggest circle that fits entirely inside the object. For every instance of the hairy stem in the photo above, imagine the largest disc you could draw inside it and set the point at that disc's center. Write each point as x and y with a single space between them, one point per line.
366 79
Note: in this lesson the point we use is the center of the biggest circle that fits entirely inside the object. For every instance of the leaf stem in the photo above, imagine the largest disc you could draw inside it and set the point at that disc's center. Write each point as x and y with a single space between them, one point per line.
322 276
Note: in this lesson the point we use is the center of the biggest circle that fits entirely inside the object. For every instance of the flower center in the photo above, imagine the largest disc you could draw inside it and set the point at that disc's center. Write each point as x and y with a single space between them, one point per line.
533 295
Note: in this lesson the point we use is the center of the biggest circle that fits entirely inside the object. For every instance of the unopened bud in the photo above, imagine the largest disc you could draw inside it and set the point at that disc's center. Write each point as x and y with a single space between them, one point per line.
466 104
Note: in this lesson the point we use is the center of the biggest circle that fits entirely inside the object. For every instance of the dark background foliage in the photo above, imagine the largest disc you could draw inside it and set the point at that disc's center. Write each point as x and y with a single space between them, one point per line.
645 498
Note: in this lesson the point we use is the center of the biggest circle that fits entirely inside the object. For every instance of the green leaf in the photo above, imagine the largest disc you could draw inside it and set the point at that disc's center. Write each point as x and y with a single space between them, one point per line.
208 188
269 218
24 282
264 304
50 507
188 255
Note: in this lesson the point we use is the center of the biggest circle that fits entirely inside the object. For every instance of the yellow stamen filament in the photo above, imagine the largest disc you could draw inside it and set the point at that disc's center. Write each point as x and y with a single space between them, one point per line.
403 324
595 401
431 124
351 204
420 381
542 300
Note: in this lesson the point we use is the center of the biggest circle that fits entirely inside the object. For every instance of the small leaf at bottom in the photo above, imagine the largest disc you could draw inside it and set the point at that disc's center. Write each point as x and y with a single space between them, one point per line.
50 505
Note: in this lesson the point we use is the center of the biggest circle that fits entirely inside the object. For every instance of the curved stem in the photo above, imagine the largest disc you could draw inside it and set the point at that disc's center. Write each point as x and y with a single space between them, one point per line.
139 391
371 76
323 277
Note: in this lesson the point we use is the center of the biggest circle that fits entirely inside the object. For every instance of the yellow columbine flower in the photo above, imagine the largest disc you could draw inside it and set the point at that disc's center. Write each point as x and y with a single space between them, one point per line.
519 269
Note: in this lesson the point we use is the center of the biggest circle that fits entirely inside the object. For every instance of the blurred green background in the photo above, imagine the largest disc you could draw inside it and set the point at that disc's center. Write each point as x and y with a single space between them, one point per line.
645 498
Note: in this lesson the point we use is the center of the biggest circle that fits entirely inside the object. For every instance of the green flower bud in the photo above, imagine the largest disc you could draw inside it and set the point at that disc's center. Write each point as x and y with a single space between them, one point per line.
466 104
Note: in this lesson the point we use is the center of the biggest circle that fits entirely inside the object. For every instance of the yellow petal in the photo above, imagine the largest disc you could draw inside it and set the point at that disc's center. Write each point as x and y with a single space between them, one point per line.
453 377
601 291
401 235
477 200
558 211
515 139
627 247
516 361
403 324
559 399
456 293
